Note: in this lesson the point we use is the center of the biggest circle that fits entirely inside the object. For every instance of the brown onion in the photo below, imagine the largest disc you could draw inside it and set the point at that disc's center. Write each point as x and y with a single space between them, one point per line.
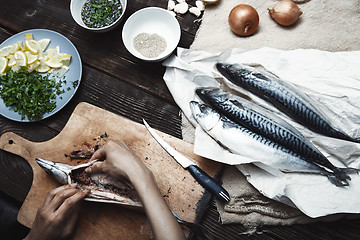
243 20
285 12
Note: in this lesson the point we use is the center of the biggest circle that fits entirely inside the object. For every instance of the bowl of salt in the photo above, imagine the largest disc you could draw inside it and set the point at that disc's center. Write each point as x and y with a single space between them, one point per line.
151 34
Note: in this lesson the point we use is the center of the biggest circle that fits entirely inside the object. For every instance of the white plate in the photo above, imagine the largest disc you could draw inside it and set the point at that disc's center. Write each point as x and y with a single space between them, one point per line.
152 20
74 73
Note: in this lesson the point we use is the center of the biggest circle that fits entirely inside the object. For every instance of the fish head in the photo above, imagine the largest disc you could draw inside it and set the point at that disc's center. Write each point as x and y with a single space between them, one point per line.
211 95
59 171
206 116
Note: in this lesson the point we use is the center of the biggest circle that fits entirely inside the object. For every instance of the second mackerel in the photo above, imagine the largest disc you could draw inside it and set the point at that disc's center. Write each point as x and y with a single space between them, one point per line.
275 131
283 96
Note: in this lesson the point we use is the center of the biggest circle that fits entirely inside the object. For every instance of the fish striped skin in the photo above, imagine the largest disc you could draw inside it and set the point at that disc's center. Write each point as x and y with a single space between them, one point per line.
242 141
283 96
257 120
267 125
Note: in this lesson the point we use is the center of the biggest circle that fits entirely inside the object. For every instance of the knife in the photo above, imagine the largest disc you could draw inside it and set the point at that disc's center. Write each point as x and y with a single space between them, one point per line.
202 177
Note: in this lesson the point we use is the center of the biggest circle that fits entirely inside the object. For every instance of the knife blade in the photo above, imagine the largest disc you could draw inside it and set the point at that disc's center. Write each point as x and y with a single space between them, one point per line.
202 177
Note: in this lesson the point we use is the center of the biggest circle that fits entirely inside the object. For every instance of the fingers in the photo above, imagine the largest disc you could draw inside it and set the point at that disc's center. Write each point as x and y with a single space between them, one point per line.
99 154
71 202
57 196
55 191
94 168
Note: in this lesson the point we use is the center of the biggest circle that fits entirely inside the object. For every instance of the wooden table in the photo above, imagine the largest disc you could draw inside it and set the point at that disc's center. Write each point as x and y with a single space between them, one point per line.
118 82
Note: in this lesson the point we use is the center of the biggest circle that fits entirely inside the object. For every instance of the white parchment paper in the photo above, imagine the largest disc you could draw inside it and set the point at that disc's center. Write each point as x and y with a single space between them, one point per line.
331 79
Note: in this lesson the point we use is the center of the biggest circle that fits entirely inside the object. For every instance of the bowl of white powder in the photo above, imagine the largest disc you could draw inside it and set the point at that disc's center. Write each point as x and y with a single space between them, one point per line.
151 34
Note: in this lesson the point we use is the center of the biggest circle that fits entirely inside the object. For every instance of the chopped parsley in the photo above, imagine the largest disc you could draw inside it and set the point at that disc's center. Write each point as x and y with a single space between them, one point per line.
31 95
101 13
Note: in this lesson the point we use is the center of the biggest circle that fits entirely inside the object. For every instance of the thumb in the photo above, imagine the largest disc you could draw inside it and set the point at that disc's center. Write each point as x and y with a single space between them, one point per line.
95 168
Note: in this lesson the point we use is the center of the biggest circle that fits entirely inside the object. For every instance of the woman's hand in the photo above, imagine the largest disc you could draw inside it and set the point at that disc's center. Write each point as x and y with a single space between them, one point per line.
122 162
57 218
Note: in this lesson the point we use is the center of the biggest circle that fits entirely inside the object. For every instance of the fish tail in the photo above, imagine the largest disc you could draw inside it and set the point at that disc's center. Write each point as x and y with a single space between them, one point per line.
342 174
336 181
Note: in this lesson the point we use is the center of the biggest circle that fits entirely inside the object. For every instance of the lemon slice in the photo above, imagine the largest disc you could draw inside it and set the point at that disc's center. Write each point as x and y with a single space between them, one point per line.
20 58
60 72
53 63
32 67
43 43
28 36
42 68
11 61
32 46
31 58
65 59
5 51
3 64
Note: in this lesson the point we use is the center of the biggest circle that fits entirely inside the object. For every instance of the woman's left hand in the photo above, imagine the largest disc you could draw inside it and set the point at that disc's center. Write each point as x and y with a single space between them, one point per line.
57 218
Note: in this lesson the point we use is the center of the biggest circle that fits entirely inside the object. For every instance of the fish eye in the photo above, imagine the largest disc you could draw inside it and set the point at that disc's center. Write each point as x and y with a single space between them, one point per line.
202 107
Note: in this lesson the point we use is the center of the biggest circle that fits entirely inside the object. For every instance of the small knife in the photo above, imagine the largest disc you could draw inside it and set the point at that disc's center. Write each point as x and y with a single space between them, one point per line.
202 177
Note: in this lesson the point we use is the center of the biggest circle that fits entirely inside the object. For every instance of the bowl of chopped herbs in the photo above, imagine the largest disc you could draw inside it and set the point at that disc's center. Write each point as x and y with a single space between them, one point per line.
98 15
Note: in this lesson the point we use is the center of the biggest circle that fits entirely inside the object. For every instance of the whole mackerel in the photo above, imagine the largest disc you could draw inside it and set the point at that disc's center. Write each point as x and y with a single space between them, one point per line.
283 96
274 129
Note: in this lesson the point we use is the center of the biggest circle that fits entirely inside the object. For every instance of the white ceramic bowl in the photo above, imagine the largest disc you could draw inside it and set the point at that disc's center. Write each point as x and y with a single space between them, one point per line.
152 20
76 8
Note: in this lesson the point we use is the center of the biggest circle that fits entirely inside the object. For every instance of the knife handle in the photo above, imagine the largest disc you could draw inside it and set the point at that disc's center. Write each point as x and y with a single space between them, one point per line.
209 183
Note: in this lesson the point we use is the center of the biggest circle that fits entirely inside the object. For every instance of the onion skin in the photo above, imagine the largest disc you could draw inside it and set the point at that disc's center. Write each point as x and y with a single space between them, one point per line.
243 20
285 12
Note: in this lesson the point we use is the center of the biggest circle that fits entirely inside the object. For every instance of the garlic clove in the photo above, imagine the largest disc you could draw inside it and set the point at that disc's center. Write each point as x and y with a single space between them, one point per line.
196 11
171 5
181 8
181 1
200 5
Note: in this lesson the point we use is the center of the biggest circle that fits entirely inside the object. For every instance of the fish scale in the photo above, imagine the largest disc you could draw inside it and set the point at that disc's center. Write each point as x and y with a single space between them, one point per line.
283 96
270 127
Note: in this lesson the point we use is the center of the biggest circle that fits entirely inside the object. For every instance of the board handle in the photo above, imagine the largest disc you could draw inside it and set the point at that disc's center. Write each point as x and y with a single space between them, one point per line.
15 144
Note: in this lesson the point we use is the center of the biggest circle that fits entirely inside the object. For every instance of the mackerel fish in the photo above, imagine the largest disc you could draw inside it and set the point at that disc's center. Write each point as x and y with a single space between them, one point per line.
287 146
283 96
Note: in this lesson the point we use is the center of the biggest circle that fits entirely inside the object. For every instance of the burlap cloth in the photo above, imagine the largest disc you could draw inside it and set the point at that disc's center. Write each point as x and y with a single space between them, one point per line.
329 25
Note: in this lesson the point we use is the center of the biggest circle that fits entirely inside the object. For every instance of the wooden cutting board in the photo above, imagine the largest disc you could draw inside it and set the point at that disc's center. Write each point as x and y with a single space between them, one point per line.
101 220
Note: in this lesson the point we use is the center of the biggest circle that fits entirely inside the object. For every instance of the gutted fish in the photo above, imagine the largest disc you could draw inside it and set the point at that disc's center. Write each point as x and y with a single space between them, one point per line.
103 188
283 96
244 141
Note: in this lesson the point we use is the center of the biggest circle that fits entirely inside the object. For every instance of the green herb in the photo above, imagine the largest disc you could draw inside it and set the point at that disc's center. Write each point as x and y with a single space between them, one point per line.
30 95
101 13
104 135
75 83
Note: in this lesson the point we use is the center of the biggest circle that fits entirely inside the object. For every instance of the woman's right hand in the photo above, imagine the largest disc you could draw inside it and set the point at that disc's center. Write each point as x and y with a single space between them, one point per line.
121 161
